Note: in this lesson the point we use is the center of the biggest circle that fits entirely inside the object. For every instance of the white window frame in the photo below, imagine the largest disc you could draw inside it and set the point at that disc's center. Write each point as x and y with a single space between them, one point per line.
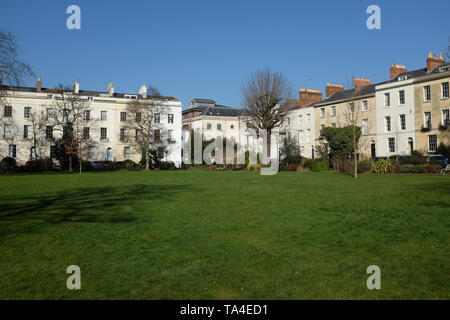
103 115
389 145
387 124
322 112
429 144
445 118
400 97
444 91
425 122
402 119
426 93
365 106
333 111
387 100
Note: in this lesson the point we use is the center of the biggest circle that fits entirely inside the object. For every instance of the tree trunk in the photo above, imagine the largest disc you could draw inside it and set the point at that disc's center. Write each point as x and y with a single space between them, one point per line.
269 136
81 160
70 163
147 162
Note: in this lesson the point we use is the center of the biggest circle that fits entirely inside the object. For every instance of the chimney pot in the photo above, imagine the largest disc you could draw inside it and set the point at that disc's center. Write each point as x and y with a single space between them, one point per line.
308 96
143 91
76 87
360 83
434 61
39 85
110 89
332 89
396 69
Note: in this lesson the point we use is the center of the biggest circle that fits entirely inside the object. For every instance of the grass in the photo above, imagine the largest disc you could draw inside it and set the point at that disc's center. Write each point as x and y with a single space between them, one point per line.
224 235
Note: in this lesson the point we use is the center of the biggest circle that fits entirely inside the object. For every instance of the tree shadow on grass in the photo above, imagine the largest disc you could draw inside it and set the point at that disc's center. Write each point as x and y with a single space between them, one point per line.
29 213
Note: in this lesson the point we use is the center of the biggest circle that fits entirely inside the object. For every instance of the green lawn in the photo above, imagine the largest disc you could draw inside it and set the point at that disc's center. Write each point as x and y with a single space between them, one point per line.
224 235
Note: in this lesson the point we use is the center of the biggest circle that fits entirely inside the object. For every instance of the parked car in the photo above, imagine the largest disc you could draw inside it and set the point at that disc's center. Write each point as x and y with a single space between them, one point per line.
438 159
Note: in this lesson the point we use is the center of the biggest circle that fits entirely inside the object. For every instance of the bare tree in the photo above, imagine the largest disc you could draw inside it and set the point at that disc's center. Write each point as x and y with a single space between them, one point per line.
72 122
154 91
12 69
264 95
142 126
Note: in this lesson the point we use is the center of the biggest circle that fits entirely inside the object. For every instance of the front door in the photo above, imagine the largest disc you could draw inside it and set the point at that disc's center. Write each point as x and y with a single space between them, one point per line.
109 154
373 153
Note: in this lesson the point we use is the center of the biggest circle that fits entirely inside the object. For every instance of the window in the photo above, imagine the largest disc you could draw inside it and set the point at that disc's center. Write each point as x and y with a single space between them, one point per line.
445 117
91 152
89 99
157 118
365 127
232 126
170 135
208 126
170 118
49 96
12 150
8 111
300 119
49 132
300 137
53 152
104 115
308 136
25 131
365 106
288 120
7 131
86 132
322 112
123 117
157 134
308 117
50 113
103 134
333 125
391 145
352 107
445 90
87 115
122 134
427 120
333 111
127 153
403 122
26 112
401 97
432 143
138 134
219 127
387 100
426 93
322 126
388 123
138 116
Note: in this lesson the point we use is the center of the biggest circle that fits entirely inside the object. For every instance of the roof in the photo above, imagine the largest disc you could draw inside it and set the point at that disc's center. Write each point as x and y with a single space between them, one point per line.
200 100
86 93
222 112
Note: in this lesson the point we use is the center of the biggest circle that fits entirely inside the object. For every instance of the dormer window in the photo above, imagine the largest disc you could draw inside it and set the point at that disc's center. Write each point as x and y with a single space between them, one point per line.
90 98
130 96
401 78
443 69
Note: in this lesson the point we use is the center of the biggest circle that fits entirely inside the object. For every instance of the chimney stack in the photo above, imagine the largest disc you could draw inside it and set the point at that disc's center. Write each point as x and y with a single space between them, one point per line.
143 91
76 87
110 89
359 83
434 61
333 88
38 85
397 69
308 96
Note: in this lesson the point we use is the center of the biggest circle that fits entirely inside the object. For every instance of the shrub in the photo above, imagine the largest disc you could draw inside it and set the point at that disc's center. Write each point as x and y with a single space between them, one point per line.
8 164
39 165
382 167
87 166
308 163
127 164
415 158
169 165
320 166
364 166
292 167
430 168
343 165
410 168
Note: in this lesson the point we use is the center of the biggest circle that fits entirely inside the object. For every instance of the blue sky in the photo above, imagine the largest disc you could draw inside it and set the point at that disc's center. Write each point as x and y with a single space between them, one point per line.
206 48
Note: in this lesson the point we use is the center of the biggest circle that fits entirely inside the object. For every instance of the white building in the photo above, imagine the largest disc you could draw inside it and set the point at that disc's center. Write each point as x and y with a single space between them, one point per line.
395 117
109 109
300 125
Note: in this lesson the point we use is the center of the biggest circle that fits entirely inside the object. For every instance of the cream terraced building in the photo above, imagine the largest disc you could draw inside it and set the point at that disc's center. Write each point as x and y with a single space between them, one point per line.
109 110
